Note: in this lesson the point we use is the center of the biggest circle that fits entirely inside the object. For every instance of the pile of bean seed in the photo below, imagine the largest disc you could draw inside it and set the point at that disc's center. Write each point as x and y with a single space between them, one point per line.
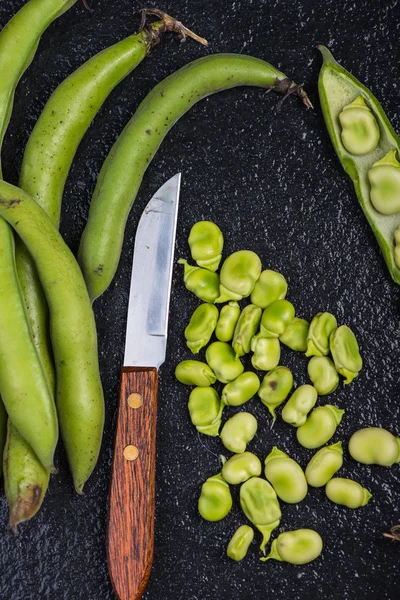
260 328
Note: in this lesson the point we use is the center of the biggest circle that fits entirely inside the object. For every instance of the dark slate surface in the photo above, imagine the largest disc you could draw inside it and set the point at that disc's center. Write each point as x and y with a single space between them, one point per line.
272 182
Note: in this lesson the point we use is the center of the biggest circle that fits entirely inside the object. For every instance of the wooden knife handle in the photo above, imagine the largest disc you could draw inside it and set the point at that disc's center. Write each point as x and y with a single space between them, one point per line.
130 535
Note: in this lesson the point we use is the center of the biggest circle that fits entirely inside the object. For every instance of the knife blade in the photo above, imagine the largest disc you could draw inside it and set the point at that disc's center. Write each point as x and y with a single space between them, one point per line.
130 531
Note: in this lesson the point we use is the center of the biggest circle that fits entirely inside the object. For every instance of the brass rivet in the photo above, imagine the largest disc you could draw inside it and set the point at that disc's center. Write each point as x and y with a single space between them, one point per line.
131 452
135 400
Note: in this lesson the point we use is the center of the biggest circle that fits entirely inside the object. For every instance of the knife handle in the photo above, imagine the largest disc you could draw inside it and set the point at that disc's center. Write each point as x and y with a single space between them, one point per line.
130 534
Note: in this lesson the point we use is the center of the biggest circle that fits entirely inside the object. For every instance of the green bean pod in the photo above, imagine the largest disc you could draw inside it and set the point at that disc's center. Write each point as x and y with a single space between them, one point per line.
337 90
123 170
19 40
54 140
73 331
24 387
25 479
3 432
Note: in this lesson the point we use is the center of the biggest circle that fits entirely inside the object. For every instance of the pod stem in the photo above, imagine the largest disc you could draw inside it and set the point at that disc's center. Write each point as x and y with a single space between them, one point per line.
394 534
170 24
287 88
86 5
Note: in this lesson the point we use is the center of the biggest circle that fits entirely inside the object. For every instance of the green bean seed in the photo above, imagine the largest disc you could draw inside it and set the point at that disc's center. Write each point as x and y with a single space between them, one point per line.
215 499
275 388
347 492
360 130
323 375
319 333
206 243
296 334
205 409
240 542
384 177
194 372
320 426
324 464
261 506
201 326
286 476
375 446
299 405
222 360
228 317
239 273
246 328
240 467
269 287
345 353
241 389
238 431
297 547
276 318
203 283
267 353
396 243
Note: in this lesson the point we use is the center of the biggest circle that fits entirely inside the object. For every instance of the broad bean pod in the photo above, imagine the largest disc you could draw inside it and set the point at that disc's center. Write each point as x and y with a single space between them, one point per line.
324 464
375 446
79 393
347 492
25 479
275 388
206 243
320 426
261 506
123 170
56 136
240 542
337 90
297 547
24 386
286 476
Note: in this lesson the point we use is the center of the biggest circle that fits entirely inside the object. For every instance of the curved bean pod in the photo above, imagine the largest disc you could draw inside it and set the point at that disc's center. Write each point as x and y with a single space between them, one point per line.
19 40
123 170
23 383
55 138
73 332
3 432
25 479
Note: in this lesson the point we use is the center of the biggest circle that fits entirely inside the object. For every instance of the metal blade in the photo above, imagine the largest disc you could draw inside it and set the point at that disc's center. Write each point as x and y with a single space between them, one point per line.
146 330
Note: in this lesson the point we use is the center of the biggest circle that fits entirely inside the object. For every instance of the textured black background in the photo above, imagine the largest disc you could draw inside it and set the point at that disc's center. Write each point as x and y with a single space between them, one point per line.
272 182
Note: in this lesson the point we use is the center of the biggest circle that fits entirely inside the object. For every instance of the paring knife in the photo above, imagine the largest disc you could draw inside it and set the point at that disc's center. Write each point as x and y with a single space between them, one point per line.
132 490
